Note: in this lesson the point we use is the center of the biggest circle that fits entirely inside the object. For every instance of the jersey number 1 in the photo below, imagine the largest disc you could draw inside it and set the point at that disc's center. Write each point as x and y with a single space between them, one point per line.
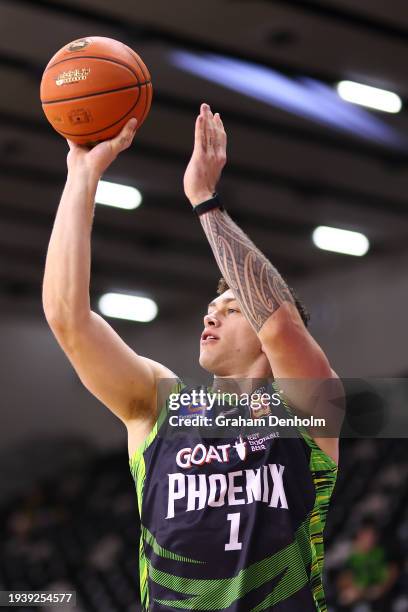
233 543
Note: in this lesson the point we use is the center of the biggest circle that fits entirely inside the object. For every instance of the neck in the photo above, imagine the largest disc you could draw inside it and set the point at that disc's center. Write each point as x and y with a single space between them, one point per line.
244 382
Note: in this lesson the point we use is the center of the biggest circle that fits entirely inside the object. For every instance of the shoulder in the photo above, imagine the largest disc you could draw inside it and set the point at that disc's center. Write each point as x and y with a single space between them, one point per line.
161 371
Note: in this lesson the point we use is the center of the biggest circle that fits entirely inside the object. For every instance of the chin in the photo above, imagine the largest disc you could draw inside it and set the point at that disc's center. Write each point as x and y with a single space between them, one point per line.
206 362
209 363
211 366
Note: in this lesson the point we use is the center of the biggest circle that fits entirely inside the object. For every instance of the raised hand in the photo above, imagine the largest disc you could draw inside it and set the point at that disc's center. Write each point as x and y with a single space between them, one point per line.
208 159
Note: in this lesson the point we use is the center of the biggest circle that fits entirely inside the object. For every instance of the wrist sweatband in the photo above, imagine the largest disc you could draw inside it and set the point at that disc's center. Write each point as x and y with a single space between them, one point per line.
204 207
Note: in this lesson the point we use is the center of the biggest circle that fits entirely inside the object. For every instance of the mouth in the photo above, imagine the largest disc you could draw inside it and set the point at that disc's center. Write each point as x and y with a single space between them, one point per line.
207 337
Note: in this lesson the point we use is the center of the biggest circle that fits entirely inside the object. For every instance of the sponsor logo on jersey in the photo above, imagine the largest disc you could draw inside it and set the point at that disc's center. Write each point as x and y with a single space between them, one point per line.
200 454
260 405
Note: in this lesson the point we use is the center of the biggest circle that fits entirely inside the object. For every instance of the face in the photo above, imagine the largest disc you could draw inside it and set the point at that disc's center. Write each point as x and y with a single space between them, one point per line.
229 346
366 539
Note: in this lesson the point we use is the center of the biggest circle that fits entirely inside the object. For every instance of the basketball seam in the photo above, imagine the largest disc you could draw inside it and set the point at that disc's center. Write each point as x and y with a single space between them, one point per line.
149 89
147 102
105 127
136 57
98 93
97 57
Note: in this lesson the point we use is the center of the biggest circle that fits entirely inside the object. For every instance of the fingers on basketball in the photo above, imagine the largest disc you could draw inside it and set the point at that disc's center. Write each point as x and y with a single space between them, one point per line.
125 137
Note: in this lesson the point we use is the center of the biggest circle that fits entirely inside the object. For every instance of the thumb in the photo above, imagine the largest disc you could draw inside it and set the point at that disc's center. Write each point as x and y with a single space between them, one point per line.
72 145
125 137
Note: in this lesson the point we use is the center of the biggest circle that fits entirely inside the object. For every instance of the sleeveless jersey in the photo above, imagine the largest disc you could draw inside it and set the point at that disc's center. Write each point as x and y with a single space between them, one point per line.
233 524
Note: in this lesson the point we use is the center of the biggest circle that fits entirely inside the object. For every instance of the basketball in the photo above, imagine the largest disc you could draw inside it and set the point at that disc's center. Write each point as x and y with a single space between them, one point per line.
92 86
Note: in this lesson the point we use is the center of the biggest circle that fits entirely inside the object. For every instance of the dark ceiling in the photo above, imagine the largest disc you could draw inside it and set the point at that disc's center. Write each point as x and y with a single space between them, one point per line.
285 174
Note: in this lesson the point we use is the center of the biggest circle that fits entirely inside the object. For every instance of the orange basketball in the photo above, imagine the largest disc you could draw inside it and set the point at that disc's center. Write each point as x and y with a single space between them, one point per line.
92 87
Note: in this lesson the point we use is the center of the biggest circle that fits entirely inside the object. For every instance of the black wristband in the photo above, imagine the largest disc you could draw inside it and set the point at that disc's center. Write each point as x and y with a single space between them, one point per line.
204 207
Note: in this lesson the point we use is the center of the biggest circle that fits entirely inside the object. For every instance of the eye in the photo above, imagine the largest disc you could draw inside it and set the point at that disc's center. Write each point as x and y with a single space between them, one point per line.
231 310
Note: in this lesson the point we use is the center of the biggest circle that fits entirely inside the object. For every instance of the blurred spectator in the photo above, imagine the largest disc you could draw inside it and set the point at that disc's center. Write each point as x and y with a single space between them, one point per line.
371 570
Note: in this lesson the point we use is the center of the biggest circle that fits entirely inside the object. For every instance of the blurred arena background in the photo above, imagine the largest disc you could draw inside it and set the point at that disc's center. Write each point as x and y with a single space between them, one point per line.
299 157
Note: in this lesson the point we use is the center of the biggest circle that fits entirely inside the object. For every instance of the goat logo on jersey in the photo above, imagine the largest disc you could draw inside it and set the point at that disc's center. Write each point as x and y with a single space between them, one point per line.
199 455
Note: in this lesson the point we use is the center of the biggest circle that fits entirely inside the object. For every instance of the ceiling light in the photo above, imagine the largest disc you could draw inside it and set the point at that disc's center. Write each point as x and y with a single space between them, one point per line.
340 241
119 196
301 95
129 307
365 95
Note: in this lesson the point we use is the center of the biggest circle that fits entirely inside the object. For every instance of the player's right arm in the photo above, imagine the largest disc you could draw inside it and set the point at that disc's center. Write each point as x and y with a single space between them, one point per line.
124 381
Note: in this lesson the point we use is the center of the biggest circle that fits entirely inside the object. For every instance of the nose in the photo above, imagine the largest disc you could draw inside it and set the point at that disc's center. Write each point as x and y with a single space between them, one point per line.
211 320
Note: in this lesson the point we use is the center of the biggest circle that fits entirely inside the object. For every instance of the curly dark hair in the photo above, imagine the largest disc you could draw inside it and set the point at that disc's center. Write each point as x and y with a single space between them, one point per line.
223 286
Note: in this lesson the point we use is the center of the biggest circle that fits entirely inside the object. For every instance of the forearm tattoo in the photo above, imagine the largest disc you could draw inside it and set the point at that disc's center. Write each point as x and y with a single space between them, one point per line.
256 284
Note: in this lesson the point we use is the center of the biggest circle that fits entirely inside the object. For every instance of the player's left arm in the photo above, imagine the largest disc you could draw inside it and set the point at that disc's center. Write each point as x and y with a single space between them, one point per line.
263 295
